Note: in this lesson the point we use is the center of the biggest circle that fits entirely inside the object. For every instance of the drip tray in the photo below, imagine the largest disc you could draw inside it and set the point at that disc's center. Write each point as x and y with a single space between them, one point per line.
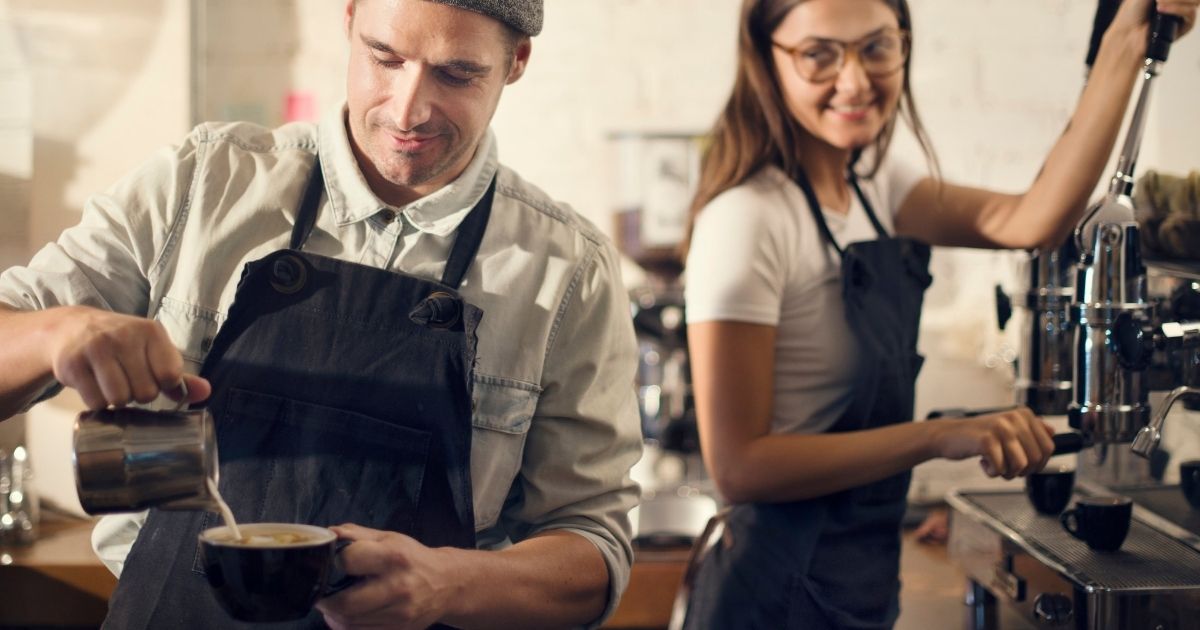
1167 502
1149 559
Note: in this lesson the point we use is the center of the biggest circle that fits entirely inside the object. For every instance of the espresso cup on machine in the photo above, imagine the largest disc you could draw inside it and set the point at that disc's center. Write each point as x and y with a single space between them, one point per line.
128 460
1189 482
1101 522
1049 490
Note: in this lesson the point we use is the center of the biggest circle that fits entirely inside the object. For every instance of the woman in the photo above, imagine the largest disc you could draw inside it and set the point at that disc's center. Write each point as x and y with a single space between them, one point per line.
804 297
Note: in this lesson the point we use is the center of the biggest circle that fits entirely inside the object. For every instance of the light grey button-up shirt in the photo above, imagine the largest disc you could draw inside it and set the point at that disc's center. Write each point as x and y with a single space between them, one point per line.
556 426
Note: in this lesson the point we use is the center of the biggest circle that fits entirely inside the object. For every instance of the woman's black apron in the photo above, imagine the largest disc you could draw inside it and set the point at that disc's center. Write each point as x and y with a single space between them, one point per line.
833 561
342 394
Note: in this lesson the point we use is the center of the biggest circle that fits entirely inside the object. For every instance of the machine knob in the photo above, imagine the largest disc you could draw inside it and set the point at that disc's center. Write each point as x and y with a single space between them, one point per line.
1054 609
1132 343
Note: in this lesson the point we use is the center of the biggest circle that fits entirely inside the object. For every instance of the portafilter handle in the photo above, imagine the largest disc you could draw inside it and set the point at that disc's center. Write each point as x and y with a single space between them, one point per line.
1148 438
1162 34
1064 443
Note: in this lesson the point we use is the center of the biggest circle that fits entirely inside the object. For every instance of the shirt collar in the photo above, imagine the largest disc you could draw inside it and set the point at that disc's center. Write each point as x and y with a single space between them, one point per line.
437 213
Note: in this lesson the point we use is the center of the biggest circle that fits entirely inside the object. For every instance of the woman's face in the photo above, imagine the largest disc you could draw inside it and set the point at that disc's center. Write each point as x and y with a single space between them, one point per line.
848 109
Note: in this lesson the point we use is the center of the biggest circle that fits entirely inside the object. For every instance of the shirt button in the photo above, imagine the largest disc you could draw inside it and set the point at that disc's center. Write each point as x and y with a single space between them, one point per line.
387 215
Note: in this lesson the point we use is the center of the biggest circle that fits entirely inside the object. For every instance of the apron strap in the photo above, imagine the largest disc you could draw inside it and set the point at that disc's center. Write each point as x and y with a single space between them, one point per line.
852 177
470 235
713 530
307 216
466 244
814 207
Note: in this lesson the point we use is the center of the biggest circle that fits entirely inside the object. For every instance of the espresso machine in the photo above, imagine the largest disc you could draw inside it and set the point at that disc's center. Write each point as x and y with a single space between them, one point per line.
656 175
1133 327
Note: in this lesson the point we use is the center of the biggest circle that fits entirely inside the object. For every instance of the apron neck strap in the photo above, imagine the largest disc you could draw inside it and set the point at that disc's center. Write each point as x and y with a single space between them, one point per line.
814 207
466 243
470 235
309 206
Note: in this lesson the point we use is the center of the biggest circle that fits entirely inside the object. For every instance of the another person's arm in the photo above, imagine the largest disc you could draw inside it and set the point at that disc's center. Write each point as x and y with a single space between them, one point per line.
732 375
569 514
1043 217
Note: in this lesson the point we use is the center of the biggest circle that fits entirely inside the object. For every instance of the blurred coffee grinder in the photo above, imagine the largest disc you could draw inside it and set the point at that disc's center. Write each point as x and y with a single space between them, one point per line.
656 175
18 503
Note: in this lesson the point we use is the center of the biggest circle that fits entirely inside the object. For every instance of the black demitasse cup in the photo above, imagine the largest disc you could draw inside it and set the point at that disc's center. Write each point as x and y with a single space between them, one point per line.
271 577
1101 522
1189 481
1050 490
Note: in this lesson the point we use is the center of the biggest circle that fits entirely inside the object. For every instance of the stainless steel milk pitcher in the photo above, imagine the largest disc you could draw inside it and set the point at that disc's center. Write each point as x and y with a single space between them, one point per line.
127 460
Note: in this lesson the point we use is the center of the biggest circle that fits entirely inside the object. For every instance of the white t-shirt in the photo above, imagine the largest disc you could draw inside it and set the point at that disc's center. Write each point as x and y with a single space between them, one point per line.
758 256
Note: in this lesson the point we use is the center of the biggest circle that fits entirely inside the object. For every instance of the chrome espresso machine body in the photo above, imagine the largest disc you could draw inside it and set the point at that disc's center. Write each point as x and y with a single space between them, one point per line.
1132 330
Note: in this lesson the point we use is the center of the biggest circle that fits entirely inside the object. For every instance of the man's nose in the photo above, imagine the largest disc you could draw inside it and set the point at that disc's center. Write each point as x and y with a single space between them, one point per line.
412 96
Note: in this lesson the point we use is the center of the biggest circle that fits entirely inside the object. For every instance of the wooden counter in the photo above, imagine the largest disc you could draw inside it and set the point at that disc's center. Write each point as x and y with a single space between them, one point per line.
59 582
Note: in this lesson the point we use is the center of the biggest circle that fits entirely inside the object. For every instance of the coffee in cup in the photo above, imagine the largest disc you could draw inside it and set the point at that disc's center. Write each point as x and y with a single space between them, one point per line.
1189 481
273 572
1101 522
1049 490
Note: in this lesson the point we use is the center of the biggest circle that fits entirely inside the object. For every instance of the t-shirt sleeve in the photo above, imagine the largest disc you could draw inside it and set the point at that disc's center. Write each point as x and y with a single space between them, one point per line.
736 264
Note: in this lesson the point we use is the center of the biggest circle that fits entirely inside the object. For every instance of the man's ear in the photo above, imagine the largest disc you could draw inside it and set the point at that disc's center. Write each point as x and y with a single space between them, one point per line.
349 16
520 59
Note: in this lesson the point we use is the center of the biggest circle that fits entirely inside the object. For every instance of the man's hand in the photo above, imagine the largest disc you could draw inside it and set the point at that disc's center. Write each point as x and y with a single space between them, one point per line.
404 583
113 359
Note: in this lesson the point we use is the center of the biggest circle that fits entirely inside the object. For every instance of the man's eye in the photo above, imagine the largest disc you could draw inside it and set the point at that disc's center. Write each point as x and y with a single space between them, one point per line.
387 63
453 80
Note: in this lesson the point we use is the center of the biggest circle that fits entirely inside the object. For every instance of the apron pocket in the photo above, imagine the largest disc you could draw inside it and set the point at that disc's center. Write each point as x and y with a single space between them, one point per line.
298 462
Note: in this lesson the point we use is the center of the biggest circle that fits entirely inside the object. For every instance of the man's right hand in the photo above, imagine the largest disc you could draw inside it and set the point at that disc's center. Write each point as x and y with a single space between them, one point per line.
113 359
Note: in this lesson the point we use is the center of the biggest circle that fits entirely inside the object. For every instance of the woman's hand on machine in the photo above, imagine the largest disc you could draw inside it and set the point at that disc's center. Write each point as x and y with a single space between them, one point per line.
114 360
1138 14
1010 443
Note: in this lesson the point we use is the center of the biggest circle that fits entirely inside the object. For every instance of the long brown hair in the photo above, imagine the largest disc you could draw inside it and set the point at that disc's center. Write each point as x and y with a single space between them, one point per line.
756 128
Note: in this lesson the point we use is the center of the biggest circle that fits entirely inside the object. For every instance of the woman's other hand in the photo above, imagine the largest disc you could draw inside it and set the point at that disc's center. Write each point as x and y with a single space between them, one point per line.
1137 15
1010 444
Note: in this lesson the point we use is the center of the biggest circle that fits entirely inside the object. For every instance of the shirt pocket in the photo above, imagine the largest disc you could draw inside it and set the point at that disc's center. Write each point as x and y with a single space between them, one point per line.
500 424
191 328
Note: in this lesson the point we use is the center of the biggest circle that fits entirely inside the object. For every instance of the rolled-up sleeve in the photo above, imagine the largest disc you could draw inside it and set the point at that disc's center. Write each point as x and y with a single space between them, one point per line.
586 433
107 260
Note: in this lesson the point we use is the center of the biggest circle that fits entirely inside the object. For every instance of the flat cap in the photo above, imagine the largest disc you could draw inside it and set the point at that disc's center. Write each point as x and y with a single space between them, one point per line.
523 15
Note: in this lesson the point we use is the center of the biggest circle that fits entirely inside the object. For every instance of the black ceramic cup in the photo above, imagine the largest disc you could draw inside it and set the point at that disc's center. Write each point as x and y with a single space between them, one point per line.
1189 481
1101 522
1050 490
276 576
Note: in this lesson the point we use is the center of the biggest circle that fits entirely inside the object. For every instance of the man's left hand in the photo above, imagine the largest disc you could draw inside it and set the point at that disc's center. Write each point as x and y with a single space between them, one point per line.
403 584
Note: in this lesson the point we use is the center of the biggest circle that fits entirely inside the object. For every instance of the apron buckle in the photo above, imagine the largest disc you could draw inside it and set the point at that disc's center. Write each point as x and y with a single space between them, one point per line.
439 310
288 274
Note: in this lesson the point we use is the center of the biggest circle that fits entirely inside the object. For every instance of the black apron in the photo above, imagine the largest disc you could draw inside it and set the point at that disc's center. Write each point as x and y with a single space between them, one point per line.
833 561
341 393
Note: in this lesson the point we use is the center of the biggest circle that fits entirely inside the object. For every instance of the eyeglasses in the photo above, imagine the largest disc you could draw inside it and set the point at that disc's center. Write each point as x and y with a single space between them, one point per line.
819 60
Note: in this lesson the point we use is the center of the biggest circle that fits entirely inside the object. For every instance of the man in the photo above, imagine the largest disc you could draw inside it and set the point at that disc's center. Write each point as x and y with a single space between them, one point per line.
391 330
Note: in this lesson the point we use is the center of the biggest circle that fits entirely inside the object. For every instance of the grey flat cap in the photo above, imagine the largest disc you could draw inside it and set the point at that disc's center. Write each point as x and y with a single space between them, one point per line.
523 15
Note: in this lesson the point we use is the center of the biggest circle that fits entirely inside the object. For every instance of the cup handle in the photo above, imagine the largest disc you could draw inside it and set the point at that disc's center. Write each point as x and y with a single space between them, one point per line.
339 580
1070 523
